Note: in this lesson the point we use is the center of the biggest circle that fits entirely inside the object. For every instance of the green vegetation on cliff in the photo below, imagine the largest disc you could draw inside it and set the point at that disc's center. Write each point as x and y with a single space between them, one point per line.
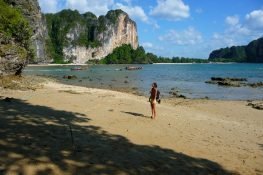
15 39
82 28
113 15
252 53
58 26
14 26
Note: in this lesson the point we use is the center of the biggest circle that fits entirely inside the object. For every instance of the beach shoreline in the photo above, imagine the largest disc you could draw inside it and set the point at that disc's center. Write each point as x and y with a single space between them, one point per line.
47 65
189 80
221 137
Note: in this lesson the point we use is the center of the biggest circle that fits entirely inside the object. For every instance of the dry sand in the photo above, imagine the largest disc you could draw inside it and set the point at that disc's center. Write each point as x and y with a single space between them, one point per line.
62 129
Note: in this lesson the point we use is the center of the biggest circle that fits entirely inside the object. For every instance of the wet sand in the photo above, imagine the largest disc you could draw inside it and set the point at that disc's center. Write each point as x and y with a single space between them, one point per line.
63 129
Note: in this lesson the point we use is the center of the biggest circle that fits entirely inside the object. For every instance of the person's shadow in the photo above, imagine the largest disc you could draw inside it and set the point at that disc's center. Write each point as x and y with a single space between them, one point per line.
136 114
41 140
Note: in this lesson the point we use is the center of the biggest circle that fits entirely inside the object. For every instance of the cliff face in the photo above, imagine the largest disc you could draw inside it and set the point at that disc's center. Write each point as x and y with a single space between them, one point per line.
61 38
32 12
78 38
15 40
252 53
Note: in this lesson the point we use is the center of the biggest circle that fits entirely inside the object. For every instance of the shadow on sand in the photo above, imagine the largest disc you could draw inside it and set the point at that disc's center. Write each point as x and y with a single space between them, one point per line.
37 140
136 114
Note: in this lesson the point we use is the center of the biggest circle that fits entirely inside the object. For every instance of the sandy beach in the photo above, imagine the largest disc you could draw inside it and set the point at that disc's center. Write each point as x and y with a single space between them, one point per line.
63 129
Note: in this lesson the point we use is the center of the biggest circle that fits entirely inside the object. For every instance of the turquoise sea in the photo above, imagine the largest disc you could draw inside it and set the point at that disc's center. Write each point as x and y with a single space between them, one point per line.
188 79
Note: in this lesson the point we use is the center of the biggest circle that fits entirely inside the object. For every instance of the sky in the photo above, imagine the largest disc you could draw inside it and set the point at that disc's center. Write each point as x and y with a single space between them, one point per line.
184 28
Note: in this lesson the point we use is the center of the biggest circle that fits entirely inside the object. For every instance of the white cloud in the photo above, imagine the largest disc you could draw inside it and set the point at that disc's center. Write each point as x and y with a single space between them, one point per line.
135 12
147 45
127 1
222 40
234 27
254 19
171 10
238 32
190 36
232 20
48 6
98 7
153 48
155 25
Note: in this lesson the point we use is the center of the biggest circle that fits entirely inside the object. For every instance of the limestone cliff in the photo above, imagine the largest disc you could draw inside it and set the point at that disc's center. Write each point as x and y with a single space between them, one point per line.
78 37
60 38
251 53
15 40
32 12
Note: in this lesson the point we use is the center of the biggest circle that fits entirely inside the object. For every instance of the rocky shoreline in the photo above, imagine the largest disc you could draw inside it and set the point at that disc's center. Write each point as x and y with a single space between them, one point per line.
233 82
24 83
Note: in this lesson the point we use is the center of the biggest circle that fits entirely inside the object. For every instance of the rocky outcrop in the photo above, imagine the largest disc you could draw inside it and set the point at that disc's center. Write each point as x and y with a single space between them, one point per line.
175 93
14 40
256 85
13 57
256 105
78 37
252 53
66 36
233 82
32 12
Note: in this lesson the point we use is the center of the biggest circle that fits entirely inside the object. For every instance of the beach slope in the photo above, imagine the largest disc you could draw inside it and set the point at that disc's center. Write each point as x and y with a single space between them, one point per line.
63 129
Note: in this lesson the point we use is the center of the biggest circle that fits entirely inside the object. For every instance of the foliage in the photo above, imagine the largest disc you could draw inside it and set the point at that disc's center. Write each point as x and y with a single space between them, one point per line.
253 52
102 24
113 15
58 26
125 54
85 28
14 25
15 34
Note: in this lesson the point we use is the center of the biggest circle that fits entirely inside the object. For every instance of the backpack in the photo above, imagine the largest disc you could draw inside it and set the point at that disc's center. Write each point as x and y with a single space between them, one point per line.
158 97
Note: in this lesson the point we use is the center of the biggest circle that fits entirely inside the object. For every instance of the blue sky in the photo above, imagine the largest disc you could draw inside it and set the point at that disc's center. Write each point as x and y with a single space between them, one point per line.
184 28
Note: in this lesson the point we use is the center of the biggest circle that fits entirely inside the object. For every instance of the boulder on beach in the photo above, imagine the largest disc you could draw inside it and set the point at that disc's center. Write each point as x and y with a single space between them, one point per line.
256 85
70 77
176 94
256 105
230 82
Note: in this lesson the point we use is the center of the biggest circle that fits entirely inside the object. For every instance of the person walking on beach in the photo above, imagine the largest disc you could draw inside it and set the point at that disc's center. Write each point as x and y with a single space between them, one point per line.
152 99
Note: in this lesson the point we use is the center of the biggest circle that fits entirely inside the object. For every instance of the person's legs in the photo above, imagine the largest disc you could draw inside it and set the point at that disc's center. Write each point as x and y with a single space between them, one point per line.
152 108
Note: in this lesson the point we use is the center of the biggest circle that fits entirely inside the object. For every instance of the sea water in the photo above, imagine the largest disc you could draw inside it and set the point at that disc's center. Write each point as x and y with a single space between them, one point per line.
187 79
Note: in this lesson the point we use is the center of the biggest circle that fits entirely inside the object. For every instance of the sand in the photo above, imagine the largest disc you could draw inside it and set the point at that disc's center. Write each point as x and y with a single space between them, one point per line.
63 129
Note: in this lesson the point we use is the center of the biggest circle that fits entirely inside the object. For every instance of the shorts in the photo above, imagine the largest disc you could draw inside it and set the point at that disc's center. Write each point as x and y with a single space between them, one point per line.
153 101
